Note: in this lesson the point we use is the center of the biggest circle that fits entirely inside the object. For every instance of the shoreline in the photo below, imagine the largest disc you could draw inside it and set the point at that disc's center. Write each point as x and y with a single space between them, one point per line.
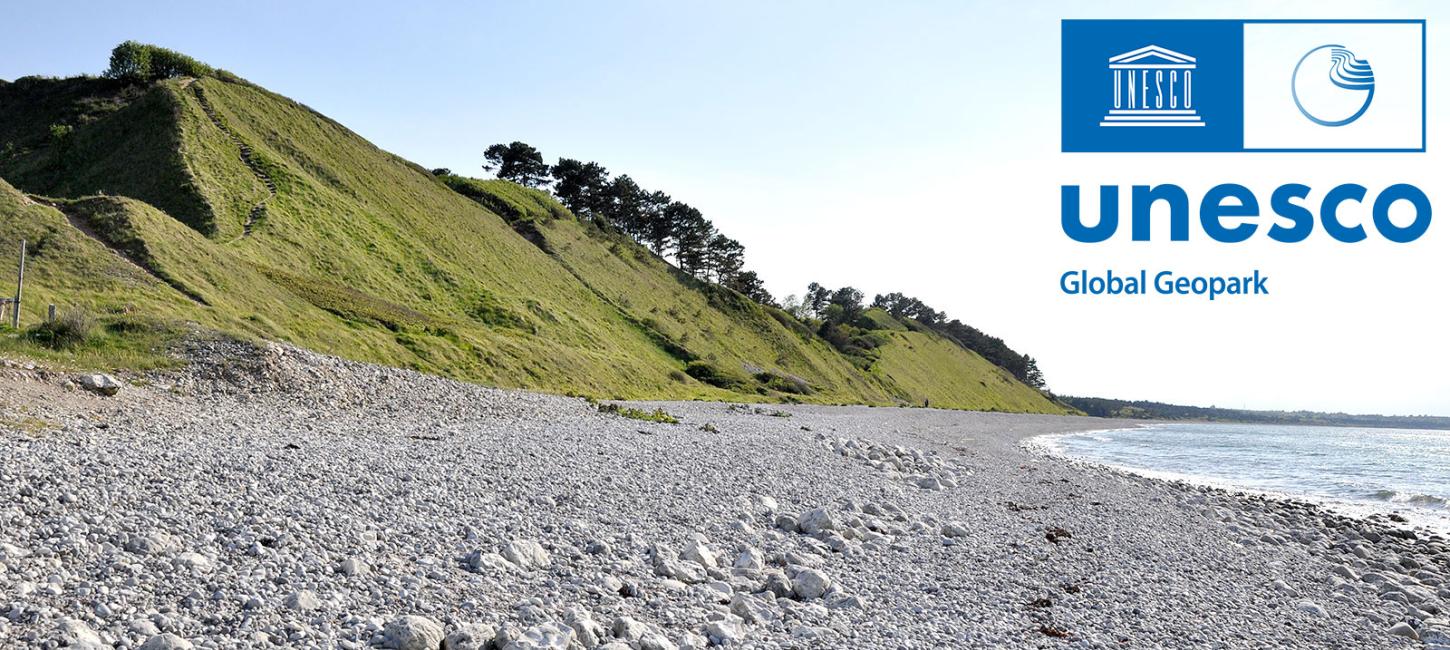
276 496
1388 515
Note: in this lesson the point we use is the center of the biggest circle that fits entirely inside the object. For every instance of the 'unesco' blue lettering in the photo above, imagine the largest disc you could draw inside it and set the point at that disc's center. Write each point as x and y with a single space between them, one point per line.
1236 202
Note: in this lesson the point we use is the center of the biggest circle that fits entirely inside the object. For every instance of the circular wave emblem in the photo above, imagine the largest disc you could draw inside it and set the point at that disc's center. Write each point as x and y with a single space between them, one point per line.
1332 87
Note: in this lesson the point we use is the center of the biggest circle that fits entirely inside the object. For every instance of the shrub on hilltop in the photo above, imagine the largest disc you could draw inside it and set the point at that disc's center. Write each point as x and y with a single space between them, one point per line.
137 62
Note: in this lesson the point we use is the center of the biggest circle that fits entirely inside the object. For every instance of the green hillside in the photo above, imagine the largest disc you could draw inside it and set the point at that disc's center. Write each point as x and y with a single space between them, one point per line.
914 366
925 366
212 201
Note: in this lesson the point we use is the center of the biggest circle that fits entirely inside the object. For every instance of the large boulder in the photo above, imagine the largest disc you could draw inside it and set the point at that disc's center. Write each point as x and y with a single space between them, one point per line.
413 633
666 565
816 521
588 632
549 636
304 601
76 634
472 636
166 642
728 631
100 383
750 559
526 554
699 552
628 629
1435 633
810 584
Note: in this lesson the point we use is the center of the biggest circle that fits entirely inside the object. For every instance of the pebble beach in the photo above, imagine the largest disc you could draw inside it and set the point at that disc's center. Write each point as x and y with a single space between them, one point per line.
266 496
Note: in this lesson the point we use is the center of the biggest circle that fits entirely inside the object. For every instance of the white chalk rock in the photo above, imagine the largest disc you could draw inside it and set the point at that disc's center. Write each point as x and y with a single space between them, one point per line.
629 629
1403 629
526 553
549 636
1310 607
816 521
413 633
100 383
472 636
166 642
304 601
77 634
699 553
726 632
586 631
810 584
750 559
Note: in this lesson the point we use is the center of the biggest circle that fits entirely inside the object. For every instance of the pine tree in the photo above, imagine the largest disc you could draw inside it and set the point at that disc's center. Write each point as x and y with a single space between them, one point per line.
517 162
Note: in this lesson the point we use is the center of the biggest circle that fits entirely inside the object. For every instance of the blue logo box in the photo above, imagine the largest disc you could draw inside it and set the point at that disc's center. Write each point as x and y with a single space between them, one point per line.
1181 85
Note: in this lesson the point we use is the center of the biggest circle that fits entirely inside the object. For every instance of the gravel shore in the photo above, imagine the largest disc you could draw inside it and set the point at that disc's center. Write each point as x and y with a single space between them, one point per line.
275 497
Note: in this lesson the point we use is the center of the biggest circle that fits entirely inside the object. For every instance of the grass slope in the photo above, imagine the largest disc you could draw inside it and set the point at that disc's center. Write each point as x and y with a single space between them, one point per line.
723 327
925 366
368 256
68 268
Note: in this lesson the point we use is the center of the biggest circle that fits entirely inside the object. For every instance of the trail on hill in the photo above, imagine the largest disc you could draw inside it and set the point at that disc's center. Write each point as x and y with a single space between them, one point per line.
85 228
260 209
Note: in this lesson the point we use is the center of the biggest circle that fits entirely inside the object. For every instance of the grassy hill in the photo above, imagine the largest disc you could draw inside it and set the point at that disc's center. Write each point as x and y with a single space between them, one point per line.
914 365
216 202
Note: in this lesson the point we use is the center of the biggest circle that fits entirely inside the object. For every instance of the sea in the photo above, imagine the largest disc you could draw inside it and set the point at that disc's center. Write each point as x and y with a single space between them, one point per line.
1356 471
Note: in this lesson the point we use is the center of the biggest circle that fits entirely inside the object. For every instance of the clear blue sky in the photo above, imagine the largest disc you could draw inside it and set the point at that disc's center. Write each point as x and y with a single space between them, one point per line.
889 146
642 87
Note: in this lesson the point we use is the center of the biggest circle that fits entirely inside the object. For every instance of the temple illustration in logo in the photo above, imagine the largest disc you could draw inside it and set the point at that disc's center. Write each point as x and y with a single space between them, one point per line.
1152 86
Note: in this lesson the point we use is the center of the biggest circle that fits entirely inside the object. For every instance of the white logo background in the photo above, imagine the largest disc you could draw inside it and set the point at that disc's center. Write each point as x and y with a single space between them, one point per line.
1272 121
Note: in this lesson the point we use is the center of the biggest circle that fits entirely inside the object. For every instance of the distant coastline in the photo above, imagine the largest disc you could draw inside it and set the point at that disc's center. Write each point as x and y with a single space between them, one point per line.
1146 410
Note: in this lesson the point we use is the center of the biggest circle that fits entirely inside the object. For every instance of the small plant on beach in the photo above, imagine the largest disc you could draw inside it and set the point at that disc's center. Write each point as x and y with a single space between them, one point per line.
29 425
756 410
657 415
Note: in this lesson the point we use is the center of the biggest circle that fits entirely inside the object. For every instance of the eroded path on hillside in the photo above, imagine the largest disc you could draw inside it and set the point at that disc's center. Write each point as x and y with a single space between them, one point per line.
258 211
68 210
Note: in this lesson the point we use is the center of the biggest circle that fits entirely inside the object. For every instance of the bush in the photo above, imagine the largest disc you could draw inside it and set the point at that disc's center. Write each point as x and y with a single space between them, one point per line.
142 63
71 329
715 375
658 415
784 383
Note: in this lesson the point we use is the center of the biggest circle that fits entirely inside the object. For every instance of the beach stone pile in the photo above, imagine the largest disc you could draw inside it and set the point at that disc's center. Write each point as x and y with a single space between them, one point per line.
266 496
925 470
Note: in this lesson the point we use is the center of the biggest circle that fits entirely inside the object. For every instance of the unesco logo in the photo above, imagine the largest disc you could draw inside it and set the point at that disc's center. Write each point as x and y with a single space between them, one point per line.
1220 85
1331 86
1152 86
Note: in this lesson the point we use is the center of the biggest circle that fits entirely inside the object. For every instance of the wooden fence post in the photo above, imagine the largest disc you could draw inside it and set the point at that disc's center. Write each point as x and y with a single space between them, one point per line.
19 289
50 314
